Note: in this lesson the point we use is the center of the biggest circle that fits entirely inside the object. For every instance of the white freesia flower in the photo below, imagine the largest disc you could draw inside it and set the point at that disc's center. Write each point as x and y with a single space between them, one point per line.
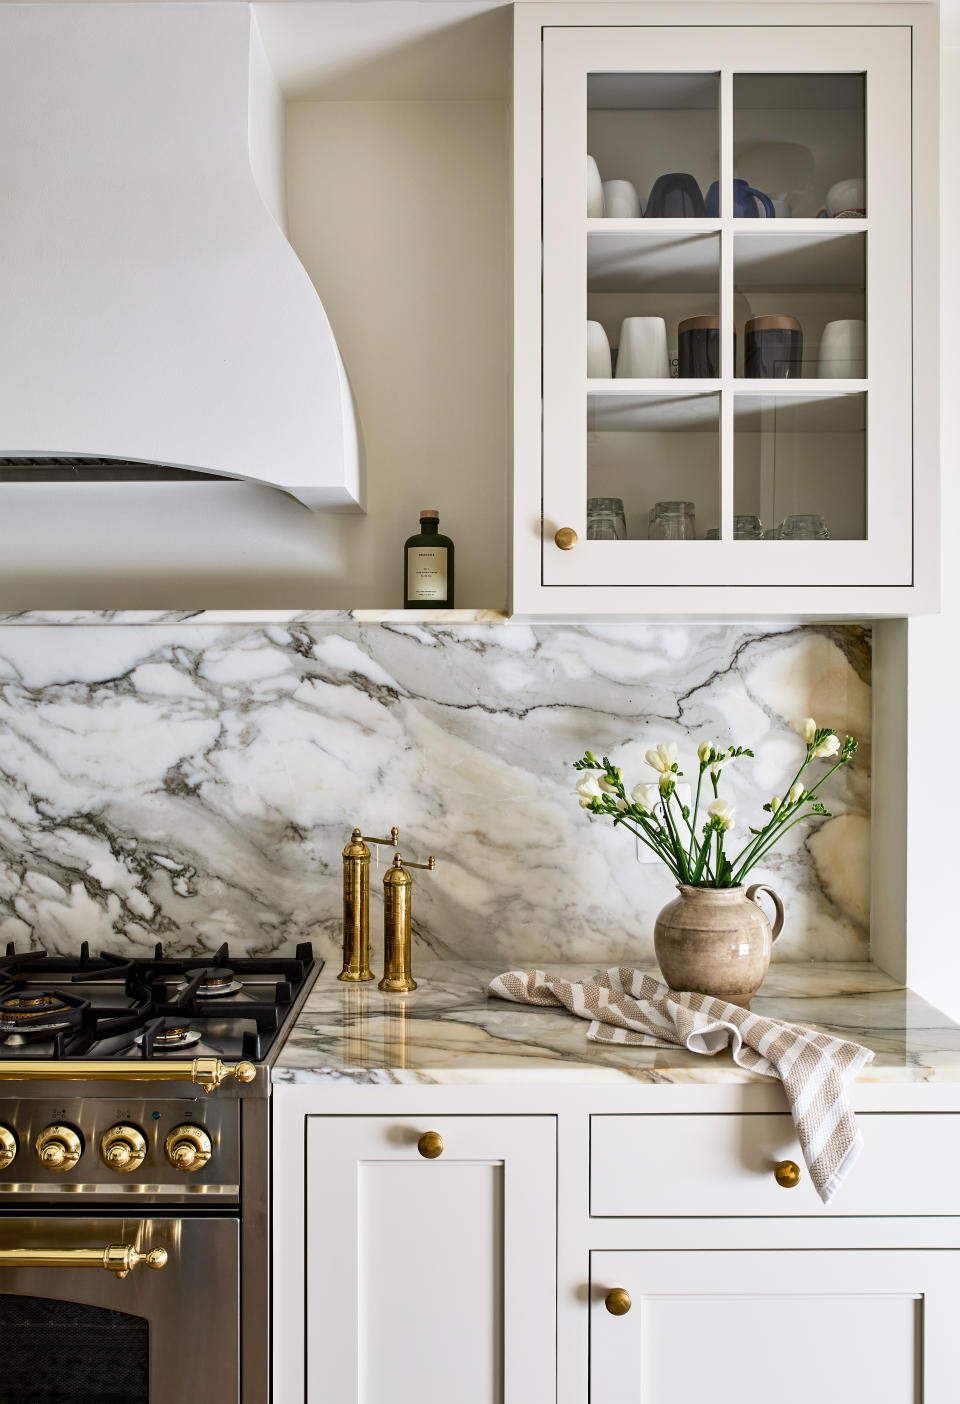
621 803
646 797
722 811
829 746
719 763
607 786
808 729
796 792
587 789
775 804
664 758
705 750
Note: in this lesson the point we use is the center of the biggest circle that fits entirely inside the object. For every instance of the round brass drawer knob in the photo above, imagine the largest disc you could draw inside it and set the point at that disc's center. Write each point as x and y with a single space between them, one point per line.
566 538
8 1147
430 1145
787 1174
618 1301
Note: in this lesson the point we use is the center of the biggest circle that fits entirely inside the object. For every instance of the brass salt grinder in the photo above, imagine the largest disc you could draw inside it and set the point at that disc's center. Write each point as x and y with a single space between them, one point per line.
397 882
356 905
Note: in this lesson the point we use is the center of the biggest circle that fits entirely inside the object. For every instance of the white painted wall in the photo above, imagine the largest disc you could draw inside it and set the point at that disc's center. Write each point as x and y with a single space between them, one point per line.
399 212
933 647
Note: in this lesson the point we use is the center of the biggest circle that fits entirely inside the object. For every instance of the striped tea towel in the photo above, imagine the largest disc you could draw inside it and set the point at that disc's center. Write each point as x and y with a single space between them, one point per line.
626 1006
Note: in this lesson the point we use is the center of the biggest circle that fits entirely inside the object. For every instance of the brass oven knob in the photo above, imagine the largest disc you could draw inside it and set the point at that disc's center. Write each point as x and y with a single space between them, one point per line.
188 1147
123 1148
430 1145
618 1301
787 1174
566 538
59 1148
8 1147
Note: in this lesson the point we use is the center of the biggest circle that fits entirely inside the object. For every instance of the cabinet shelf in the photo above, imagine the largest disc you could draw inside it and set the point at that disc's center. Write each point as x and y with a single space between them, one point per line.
644 260
650 410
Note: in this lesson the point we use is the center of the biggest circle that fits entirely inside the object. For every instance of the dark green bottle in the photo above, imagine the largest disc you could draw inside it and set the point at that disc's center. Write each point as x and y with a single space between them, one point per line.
428 566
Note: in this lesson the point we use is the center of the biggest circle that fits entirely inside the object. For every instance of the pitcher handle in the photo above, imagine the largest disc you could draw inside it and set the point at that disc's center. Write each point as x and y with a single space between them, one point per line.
752 897
771 213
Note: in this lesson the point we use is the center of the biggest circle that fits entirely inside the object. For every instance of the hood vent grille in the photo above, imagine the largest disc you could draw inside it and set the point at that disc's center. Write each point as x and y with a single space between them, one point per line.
95 470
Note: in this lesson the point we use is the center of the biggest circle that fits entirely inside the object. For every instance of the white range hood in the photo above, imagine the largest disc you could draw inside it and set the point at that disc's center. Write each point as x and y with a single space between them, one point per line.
153 310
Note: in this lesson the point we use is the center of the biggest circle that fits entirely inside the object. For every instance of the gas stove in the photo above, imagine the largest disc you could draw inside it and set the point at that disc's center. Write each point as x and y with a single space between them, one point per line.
134 1095
108 1007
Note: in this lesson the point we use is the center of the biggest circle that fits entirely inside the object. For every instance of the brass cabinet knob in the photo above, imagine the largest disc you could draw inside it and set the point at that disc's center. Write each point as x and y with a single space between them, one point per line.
430 1145
566 538
59 1148
787 1174
618 1301
123 1148
188 1148
8 1147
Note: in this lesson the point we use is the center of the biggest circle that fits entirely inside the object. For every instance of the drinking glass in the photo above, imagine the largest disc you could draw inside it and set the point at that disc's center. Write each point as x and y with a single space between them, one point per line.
673 521
747 528
804 527
606 519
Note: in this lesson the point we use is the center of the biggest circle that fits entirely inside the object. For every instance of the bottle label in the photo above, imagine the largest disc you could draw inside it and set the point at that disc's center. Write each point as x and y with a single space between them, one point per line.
427 572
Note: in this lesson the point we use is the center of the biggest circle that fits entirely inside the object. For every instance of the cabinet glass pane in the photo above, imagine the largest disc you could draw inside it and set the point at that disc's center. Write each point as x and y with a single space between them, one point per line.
800 465
805 295
647 455
642 288
799 145
657 133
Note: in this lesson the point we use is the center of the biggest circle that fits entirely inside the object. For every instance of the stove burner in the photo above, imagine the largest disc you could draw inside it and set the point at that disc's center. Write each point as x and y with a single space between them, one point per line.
27 1006
215 982
177 1036
39 1012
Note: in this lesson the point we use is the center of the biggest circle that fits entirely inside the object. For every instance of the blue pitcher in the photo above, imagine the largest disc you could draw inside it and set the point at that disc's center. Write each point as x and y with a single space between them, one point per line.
747 202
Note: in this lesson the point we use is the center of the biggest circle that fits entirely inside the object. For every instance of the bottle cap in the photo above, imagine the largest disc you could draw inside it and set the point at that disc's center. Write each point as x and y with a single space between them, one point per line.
429 514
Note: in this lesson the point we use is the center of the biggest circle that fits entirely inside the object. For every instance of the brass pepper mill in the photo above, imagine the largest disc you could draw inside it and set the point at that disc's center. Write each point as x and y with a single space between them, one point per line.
356 905
397 883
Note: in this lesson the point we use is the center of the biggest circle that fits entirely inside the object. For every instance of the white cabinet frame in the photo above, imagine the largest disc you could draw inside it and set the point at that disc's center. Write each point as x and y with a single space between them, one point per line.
895 571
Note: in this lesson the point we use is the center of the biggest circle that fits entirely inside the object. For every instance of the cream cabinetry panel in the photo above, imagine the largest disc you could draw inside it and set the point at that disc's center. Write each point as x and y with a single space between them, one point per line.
723 1165
807 478
751 1326
430 1275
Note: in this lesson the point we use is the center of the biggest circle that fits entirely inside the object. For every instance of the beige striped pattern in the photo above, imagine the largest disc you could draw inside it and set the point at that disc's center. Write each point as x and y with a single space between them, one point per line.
626 1006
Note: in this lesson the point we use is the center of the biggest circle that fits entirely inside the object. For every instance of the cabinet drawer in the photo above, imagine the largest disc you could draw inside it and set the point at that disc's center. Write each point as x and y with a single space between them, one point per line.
643 1166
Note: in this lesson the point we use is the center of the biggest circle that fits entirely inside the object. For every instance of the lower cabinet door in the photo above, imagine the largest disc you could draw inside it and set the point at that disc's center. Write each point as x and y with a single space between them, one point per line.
431 1263
834 1327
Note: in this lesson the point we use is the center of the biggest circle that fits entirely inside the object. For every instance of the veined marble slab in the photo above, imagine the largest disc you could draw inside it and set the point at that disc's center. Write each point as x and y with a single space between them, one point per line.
451 1031
195 782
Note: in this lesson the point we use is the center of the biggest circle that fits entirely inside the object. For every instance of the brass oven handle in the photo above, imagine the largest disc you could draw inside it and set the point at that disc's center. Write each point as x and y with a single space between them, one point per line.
116 1257
208 1073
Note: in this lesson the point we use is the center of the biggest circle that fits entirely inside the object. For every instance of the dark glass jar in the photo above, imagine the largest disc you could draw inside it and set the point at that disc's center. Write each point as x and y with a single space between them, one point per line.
428 566
773 348
698 348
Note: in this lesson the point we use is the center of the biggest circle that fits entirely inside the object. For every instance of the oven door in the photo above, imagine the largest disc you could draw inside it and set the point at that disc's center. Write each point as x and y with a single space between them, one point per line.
73 1328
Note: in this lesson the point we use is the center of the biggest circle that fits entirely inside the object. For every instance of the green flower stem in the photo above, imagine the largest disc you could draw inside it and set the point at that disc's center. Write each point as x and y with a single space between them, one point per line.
745 856
775 837
696 808
675 838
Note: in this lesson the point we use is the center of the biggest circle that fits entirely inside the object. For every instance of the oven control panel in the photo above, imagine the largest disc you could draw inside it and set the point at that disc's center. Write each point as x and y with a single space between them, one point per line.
177 1148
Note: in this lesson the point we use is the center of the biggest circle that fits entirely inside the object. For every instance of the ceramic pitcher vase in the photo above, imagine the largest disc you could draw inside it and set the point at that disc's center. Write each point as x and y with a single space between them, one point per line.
717 941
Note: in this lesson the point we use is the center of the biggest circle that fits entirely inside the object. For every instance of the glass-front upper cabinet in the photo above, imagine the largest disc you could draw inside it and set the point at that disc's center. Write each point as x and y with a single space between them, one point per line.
727 327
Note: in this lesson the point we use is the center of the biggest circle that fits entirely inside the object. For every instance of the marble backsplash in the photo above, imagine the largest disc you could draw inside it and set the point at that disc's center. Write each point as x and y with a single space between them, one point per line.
196 782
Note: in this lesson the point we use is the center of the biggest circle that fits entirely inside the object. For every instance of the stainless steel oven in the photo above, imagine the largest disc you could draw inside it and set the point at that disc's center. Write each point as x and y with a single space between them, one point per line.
119 1309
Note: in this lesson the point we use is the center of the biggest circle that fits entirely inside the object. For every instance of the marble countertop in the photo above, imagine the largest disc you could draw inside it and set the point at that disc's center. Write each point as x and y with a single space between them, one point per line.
451 1031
